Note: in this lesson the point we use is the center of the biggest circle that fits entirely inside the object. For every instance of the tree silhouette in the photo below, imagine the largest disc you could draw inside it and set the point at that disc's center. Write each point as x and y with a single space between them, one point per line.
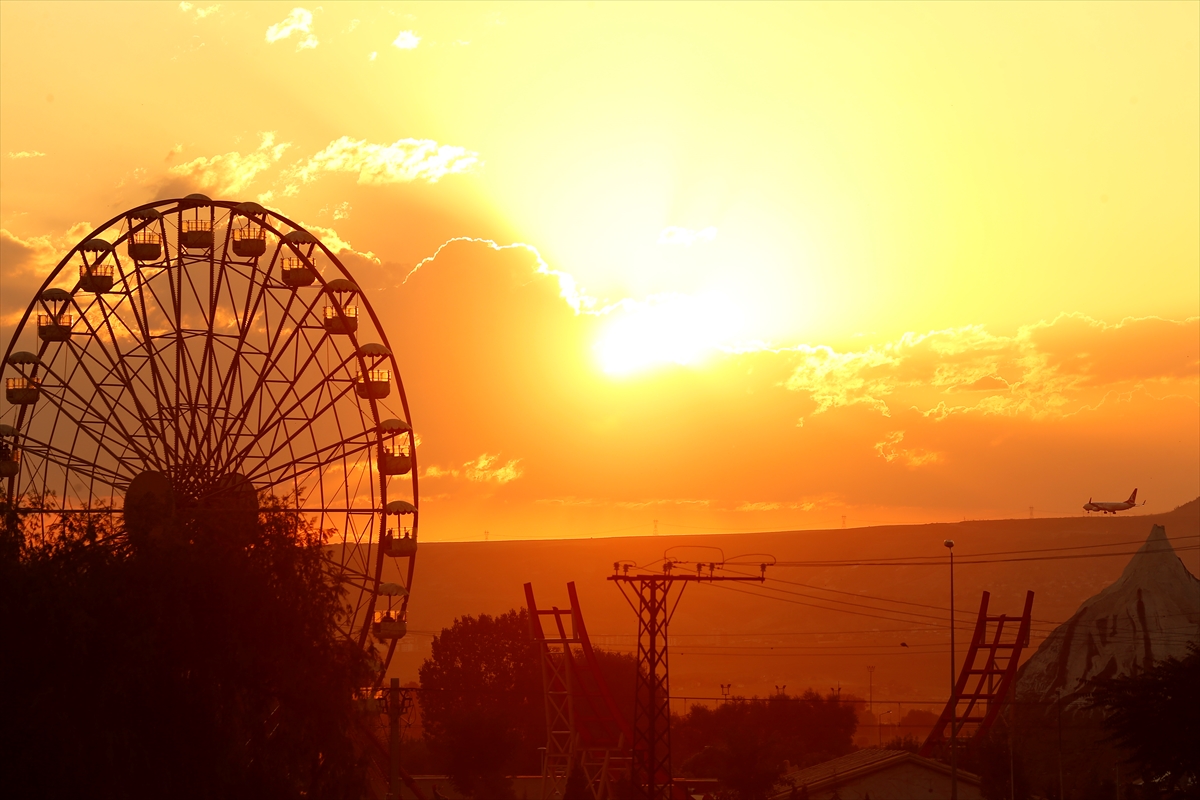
207 663
1155 716
481 702
744 742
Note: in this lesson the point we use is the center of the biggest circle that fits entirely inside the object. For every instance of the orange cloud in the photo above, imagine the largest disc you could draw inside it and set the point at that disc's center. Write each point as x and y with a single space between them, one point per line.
230 173
402 161
890 450
1047 368
485 469
299 21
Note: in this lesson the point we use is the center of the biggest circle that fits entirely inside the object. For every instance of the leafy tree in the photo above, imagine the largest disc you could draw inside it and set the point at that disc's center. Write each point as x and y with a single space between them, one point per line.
745 742
907 743
481 702
206 663
1154 716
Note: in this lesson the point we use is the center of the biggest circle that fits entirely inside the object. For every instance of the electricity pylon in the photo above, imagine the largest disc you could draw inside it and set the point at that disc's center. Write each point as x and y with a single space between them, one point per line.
652 701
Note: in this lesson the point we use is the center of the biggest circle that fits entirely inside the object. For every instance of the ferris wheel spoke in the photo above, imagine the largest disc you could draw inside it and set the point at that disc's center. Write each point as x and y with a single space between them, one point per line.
110 376
69 463
254 306
312 461
283 414
306 423
159 367
78 410
293 340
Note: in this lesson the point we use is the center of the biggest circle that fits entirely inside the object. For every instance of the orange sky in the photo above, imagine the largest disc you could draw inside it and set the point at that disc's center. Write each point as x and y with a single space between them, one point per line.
726 267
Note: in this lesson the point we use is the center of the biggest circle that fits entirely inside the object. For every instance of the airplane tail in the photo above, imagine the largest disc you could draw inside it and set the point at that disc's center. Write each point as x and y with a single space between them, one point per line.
1132 497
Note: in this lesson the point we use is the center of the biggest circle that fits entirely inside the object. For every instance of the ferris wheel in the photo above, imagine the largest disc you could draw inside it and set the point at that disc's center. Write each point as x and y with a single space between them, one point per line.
190 354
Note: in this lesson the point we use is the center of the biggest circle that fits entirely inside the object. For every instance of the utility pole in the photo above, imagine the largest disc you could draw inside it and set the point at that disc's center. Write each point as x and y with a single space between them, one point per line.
656 527
949 543
871 700
651 707
725 687
1058 704
394 712
1012 759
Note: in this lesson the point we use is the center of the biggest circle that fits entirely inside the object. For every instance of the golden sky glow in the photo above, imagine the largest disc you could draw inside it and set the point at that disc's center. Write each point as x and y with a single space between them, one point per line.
723 266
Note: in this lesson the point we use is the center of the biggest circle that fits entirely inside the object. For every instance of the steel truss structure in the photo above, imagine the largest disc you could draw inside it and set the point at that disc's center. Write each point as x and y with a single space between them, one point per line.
987 674
192 355
652 603
585 729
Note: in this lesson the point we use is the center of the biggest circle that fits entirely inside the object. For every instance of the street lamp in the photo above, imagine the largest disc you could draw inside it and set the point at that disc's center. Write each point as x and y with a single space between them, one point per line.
949 543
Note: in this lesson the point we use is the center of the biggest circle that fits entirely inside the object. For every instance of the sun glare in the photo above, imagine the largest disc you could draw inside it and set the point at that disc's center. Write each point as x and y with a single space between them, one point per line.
666 329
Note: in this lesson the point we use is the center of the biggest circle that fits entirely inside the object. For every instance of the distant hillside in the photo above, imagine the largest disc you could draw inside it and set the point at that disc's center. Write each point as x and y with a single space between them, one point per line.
818 625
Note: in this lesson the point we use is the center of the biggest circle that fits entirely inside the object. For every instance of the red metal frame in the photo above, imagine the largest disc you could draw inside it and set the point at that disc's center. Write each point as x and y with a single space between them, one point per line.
995 675
584 727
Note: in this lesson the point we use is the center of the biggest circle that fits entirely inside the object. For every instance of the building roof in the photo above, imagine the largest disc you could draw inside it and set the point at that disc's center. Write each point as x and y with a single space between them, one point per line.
864 762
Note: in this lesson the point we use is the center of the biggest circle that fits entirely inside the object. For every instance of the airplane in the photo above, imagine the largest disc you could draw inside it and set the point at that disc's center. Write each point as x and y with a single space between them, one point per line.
1105 507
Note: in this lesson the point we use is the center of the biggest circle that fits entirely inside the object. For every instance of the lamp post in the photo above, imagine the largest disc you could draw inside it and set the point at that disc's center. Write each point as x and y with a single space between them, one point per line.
949 543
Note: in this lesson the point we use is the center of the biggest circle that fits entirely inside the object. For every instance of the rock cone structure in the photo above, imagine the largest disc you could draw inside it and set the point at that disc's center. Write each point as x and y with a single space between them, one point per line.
1149 614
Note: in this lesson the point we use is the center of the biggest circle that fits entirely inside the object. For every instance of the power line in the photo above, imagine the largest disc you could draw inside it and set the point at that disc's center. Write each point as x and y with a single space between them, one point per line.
902 562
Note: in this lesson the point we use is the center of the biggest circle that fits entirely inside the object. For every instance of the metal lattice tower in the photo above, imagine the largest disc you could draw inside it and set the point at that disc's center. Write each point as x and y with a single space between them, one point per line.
653 604
992 661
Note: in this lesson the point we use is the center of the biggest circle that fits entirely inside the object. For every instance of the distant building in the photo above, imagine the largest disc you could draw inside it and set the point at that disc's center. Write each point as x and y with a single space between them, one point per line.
879 775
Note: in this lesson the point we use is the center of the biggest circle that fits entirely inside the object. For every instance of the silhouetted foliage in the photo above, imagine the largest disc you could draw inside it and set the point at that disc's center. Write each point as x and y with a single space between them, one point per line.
1001 772
205 664
744 742
907 743
619 671
1155 716
576 788
481 702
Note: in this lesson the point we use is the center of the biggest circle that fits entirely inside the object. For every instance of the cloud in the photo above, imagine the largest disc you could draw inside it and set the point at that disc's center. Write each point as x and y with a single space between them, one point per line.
198 13
1055 367
330 238
686 236
26 261
26 154
890 450
569 290
776 506
340 211
834 379
299 21
439 472
403 161
484 469
231 173
629 505
407 40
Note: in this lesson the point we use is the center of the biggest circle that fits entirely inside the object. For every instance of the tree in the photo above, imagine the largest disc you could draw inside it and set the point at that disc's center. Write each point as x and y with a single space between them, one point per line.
206 663
1153 715
481 702
745 742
